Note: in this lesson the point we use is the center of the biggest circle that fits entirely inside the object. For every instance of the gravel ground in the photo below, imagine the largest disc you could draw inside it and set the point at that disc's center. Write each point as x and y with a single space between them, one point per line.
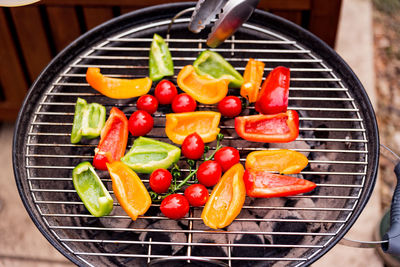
386 26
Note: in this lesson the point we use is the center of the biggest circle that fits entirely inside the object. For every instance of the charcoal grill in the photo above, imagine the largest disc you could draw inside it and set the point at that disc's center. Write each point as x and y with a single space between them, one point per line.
338 132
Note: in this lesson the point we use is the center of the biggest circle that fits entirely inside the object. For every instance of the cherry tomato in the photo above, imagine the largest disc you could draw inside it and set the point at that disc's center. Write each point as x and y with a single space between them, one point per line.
209 173
175 206
140 123
227 157
193 146
183 103
160 180
197 195
165 92
147 103
230 106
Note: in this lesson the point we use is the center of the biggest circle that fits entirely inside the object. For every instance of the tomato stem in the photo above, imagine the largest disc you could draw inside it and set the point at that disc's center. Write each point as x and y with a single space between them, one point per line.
176 173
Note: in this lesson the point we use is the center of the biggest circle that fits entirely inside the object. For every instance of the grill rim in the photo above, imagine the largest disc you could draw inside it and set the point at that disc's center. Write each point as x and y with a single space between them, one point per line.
124 22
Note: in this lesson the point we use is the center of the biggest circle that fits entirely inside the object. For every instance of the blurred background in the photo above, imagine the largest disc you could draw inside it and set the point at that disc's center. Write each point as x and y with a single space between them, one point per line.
366 33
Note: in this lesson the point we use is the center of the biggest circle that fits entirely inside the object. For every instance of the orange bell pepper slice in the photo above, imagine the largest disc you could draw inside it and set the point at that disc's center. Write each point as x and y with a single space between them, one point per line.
253 74
284 161
226 199
129 190
205 89
117 88
204 123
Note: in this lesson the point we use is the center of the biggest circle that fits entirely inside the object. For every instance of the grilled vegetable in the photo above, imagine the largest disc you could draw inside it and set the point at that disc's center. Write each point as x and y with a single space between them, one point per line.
230 106
140 123
284 161
175 206
160 180
89 119
129 190
277 128
226 199
193 146
209 173
227 157
183 103
264 184
117 88
113 140
160 60
91 190
203 88
147 155
274 94
147 103
252 76
213 64
204 123
165 92
197 195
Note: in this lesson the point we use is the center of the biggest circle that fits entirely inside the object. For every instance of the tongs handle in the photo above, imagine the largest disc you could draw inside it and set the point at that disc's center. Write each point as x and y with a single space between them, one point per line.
393 234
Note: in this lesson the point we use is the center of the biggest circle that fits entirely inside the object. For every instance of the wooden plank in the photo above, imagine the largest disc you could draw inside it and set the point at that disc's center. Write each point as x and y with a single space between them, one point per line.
33 39
264 4
12 77
293 16
64 25
324 19
9 111
96 15
285 5
125 10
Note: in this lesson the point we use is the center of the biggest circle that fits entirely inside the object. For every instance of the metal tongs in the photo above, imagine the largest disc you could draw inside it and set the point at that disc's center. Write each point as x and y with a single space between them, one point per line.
231 15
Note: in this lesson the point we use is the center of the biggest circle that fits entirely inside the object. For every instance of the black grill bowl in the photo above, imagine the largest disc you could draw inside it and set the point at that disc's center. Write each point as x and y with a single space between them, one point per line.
338 132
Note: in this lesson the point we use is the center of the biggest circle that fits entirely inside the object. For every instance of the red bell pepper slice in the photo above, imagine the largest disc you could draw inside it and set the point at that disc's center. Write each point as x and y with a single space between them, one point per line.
264 184
277 128
274 94
113 140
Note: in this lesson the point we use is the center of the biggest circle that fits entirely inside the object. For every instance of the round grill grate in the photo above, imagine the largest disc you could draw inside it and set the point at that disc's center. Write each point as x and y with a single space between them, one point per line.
337 132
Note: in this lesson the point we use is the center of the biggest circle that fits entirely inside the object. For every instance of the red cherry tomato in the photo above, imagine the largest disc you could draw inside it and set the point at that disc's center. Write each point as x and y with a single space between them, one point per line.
140 123
165 92
197 195
160 180
175 206
183 103
230 106
227 157
147 103
193 146
209 173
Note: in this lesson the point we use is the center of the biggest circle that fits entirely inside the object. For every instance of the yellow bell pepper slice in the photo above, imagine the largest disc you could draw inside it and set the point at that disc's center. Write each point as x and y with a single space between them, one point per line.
226 199
204 89
117 88
253 74
129 190
284 161
204 123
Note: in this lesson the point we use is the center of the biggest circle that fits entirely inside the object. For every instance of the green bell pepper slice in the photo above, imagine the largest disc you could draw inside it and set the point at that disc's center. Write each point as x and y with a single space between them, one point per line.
147 155
89 119
160 60
213 64
91 190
